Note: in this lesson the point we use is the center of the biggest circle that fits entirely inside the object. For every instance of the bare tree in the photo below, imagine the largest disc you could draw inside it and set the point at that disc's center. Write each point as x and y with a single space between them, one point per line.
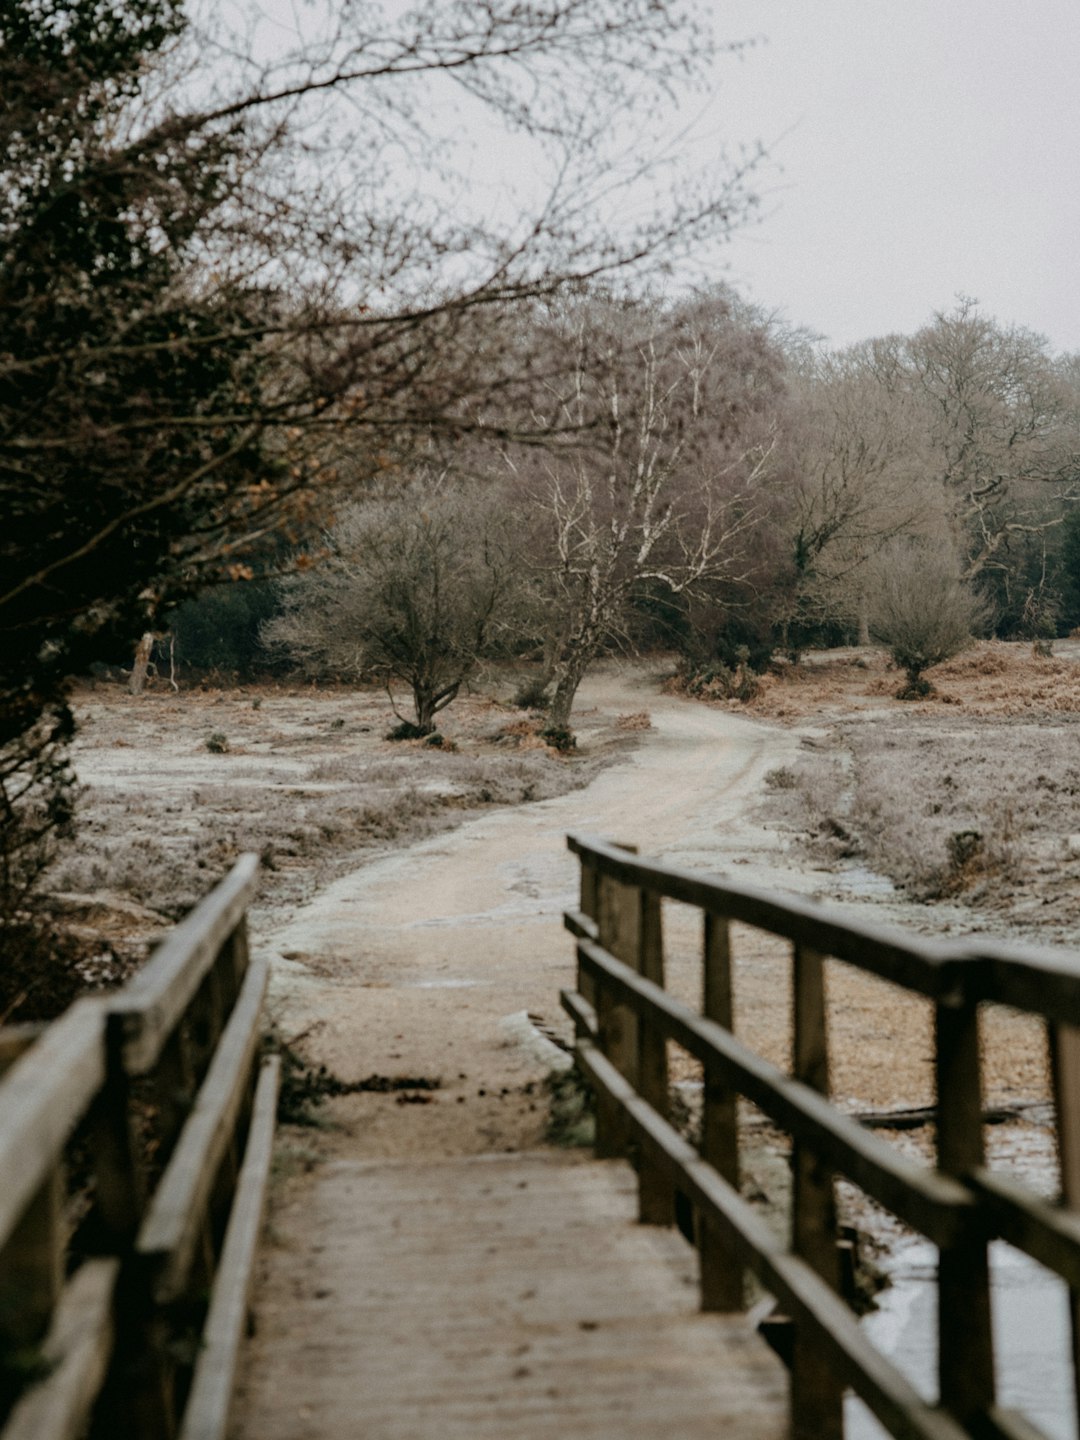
208 264
675 479
921 608
416 588
1003 443
862 467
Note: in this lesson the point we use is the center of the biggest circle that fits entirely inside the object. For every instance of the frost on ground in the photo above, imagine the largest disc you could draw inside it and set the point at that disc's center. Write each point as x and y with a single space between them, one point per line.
971 797
176 786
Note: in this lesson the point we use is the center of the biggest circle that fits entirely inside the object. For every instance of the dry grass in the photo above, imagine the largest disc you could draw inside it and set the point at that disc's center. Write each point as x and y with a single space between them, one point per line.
971 795
638 720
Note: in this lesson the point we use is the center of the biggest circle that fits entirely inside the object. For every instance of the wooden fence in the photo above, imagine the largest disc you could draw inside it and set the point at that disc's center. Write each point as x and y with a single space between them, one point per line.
625 1020
123 1295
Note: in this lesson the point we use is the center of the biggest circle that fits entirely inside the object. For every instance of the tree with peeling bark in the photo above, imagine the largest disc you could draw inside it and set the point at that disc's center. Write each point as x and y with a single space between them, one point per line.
673 484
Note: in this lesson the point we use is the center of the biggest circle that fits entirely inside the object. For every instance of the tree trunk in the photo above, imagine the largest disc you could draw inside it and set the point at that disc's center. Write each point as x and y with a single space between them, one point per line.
570 675
424 704
141 665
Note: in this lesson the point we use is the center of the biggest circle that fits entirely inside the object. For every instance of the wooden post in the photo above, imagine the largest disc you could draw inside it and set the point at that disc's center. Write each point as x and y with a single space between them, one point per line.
174 1089
721 1275
32 1264
617 921
817 1397
1065 1068
589 905
965 1342
233 963
656 1199
206 1018
120 1180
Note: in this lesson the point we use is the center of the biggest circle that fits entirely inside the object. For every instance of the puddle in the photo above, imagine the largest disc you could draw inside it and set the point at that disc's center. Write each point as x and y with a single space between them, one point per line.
1031 1337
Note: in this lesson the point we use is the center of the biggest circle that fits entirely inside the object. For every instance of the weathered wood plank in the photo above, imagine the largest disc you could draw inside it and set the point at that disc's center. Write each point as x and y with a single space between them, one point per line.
803 1294
32 1263
206 1415
1012 1213
581 1012
616 921
935 1205
580 925
78 1347
656 1199
817 1394
15 1040
965 1340
149 1009
42 1098
939 970
534 1307
1064 1042
722 1280
173 1223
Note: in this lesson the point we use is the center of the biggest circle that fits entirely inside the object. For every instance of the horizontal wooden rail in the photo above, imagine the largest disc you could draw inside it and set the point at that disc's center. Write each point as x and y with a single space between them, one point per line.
935 1205
804 1294
625 1019
160 1081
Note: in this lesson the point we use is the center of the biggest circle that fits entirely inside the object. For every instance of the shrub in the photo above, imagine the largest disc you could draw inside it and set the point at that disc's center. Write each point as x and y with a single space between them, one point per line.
407 730
559 739
920 608
532 695
217 743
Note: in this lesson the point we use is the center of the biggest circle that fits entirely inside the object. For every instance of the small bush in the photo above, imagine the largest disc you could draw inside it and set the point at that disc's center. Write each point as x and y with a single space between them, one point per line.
559 738
719 682
440 742
572 1116
217 743
920 608
532 695
639 720
407 730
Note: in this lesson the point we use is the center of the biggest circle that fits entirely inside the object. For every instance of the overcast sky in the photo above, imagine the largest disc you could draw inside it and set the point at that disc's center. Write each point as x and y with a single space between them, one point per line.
920 148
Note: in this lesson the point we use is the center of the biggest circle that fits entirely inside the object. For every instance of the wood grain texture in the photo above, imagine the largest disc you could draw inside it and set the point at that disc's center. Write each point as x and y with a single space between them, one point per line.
148 1010
206 1414
175 1219
533 1307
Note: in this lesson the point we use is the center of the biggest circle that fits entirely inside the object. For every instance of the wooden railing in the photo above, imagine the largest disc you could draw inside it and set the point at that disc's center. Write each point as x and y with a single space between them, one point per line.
625 1018
126 1316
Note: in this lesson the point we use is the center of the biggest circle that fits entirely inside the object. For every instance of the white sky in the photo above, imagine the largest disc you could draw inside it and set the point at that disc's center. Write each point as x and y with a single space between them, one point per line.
919 148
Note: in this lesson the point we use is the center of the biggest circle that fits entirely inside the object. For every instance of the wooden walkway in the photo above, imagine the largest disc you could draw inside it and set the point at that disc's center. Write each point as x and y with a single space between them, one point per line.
502 1297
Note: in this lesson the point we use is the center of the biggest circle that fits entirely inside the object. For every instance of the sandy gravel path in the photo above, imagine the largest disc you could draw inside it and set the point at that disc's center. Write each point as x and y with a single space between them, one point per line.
413 964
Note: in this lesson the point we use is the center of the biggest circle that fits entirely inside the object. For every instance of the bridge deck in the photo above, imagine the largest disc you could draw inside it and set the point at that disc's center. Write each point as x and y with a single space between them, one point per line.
500 1297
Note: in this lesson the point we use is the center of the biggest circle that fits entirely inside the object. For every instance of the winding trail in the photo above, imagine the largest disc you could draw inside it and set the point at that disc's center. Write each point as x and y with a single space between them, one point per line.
435 1272
412 964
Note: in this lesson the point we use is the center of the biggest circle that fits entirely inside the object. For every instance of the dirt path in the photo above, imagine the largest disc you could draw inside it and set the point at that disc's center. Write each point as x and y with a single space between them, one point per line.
409 1280
419 963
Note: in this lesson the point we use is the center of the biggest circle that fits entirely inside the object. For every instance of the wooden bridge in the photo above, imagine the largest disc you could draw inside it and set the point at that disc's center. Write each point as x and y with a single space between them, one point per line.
509 1296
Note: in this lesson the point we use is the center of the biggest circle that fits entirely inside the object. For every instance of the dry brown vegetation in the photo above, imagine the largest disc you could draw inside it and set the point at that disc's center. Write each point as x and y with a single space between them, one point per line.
972 794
